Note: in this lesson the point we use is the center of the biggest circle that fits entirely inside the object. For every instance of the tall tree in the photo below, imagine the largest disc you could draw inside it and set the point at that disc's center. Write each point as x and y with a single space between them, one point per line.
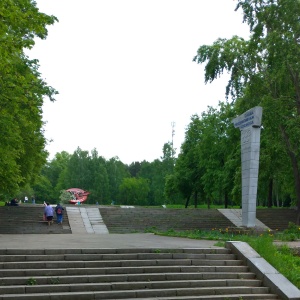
116 171
78 171
98 183
133 191
22 145
187 173
265 69
54 170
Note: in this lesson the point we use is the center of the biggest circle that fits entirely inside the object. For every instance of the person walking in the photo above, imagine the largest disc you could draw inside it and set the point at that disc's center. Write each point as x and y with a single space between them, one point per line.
59 213
48 211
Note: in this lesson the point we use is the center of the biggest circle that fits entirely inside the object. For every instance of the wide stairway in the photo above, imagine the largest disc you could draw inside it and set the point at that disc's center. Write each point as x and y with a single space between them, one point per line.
27 219
136 273
139 219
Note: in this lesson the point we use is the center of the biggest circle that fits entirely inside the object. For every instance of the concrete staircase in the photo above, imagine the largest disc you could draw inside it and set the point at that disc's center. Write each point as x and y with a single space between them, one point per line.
134 273
28 218
139 219
277 218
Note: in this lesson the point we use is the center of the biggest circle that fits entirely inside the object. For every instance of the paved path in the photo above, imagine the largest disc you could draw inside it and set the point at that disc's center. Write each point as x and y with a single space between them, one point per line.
134 240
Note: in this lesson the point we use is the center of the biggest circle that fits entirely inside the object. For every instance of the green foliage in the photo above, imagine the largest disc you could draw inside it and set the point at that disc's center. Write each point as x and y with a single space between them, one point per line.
133 191
103 178
208 157
31 281
116 171
264 70
55 280
43 190
22 93
292 233
65 196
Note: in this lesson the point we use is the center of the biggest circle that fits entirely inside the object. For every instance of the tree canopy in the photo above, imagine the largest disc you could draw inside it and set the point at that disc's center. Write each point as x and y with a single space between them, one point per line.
22 92
264 70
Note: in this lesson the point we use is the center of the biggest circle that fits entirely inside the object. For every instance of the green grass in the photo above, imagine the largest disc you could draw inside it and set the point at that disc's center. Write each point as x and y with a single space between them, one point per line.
282 258
204 206
199 206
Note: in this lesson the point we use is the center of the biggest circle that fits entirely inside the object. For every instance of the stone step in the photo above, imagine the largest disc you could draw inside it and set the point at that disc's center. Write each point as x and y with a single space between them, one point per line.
125 274
108 286
119 220
28 219
95 295
207 272
53 277
90 293
116 257
129 266
218 297
277 219
217 250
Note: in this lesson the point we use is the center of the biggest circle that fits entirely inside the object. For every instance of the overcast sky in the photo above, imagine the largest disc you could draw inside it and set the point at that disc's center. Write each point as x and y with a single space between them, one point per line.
124 72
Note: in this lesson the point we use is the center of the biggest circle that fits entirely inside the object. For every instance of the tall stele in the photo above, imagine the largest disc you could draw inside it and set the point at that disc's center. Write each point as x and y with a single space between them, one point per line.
250 125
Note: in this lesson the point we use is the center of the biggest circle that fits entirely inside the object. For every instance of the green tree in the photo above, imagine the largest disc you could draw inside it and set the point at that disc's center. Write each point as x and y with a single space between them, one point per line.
21 95
134 168
54 170
186 178
43 190
99 181
116 171
156 172
264 70
22 90
78 170
217 152
133 191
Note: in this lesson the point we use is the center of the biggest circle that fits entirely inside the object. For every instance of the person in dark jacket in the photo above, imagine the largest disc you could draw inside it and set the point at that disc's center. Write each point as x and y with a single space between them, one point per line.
14 202
59 213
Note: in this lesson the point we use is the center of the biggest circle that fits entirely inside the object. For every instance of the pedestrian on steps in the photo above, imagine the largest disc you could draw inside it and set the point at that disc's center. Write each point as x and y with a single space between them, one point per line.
48 211
59 213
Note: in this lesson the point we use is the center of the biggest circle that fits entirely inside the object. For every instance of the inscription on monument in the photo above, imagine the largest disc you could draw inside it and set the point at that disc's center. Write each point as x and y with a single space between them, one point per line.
246 121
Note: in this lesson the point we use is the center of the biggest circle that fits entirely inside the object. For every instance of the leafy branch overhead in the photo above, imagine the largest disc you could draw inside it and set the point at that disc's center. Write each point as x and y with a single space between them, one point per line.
22 147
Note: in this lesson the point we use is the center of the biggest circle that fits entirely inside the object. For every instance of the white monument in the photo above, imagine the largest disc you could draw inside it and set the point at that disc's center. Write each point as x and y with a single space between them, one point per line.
250 125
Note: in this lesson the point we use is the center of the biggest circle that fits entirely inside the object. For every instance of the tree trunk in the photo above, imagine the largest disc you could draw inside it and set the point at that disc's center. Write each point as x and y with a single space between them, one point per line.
294 162
187 201
196 199
208 203
277 198
270 193
226 199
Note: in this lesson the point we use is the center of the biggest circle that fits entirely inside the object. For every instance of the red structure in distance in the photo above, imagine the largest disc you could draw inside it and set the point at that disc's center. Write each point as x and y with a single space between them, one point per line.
78 195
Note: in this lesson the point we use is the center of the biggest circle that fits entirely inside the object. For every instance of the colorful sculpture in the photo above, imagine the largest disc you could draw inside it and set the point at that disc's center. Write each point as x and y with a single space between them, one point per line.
78 195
